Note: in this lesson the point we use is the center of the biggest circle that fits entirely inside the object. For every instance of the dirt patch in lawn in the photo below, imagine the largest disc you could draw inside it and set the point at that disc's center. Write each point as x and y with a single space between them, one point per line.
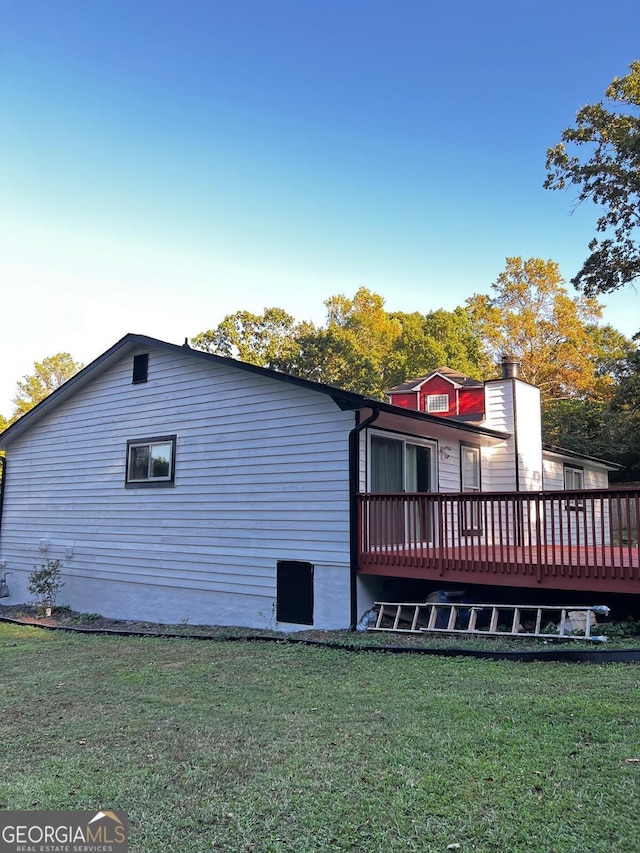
64 617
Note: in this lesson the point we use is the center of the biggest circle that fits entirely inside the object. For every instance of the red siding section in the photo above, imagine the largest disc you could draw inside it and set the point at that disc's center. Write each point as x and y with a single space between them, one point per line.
471 401
463 401
408 400
438 386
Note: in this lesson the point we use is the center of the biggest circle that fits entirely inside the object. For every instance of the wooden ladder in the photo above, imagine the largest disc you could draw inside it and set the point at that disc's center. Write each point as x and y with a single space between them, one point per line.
489 620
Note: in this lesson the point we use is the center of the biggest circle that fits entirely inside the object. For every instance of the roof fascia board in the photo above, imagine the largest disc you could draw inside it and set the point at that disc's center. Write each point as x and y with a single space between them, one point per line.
417 386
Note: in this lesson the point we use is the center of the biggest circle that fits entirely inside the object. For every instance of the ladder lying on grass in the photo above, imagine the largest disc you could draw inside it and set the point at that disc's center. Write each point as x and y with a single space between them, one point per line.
489 620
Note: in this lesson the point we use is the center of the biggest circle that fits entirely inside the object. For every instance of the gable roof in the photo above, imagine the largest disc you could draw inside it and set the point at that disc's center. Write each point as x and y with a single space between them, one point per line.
459 380
345 400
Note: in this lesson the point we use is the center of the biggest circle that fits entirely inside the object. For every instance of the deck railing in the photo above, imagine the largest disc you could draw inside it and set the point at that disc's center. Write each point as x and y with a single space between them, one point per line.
531 536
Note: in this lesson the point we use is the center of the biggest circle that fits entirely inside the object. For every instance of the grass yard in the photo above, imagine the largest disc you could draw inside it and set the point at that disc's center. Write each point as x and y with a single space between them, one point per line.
241 747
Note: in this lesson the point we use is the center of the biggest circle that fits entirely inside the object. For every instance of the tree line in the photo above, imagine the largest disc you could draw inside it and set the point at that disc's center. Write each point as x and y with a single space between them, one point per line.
588 373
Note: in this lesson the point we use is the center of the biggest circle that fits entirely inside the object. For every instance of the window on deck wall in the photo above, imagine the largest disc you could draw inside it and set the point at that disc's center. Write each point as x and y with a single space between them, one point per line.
470 482
574 479
402 464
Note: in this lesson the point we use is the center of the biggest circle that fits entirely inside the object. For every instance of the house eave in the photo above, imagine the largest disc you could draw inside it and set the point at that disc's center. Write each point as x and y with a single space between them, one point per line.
553 450
450 423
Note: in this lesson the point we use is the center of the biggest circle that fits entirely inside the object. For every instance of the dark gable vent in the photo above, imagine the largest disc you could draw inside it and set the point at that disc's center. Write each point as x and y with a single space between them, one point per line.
140 368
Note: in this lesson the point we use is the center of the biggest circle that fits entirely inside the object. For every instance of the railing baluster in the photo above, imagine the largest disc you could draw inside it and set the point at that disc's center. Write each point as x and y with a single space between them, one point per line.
567 539
628 560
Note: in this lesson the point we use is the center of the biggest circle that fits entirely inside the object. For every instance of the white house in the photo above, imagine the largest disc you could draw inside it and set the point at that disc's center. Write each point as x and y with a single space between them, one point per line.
174 484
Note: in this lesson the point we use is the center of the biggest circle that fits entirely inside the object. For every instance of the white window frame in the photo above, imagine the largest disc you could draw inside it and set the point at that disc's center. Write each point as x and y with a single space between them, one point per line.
471 512
150 480
465 486
576 473
437 403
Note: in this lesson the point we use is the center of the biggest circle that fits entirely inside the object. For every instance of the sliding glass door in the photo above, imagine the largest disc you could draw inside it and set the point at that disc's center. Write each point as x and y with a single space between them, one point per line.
402 465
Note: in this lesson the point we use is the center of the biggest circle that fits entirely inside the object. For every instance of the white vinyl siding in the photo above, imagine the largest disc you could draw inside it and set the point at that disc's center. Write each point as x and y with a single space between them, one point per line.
529 427
261 475
499 415
514 406
594 476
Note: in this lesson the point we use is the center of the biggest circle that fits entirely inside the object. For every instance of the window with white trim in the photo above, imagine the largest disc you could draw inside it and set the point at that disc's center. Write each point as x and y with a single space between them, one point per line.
437 402
471 514
574 479
151 461
470 468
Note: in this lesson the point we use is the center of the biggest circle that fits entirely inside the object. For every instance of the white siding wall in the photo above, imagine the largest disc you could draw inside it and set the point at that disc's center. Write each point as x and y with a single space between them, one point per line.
564 515
448 463
513 406
261 476
595 477
499 407
553 470
362 461
529 426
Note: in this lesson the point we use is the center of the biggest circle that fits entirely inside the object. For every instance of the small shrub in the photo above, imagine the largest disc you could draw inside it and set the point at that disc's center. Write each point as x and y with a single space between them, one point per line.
82 618
45 582
620 630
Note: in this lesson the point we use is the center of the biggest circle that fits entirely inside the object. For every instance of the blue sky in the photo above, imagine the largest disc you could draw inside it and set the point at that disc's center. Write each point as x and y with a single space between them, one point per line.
164 163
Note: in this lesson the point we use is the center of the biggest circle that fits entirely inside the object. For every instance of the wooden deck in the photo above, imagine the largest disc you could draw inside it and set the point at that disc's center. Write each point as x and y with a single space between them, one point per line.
580 541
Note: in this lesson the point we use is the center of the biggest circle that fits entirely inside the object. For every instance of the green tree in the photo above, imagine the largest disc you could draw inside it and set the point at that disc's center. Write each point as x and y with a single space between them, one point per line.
361 346
531 316
267 340
624 413
49 374
352 350
584 426
610 357
436 339
608 173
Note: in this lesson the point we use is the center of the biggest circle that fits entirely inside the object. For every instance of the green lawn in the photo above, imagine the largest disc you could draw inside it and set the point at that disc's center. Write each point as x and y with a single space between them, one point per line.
276 747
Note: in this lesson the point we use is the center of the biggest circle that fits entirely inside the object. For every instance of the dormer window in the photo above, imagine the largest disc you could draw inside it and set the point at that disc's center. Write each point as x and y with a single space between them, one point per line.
140 368
437 403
